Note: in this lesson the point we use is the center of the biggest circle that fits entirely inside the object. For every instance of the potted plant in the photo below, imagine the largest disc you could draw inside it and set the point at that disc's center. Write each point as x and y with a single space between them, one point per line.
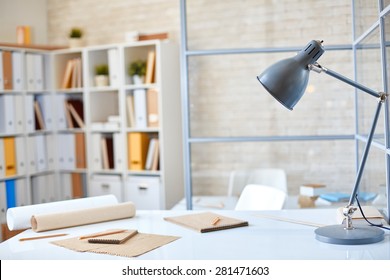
75 36
101 75
137 71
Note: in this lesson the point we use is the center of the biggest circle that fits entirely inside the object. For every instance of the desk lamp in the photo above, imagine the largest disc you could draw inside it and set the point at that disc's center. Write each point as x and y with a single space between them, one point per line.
286 81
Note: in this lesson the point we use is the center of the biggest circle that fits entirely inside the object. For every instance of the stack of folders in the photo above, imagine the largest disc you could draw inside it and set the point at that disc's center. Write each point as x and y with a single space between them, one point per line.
308 194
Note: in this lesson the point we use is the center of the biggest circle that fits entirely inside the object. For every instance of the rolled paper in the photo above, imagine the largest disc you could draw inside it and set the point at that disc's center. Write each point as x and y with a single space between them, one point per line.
20 217
67 219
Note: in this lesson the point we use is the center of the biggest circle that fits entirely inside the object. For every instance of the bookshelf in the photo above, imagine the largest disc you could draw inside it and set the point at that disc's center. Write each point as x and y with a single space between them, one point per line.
72 138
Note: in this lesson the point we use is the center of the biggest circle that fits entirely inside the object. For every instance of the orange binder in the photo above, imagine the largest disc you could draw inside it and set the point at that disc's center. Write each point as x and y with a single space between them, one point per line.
7 69
80 150
9 156
77 185
137 143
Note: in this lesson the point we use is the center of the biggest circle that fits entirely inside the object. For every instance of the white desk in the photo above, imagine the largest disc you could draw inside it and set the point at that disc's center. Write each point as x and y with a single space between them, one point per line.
229 202
263 239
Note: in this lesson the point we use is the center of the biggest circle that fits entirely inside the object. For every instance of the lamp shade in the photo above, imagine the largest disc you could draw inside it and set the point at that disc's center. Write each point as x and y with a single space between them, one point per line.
287 79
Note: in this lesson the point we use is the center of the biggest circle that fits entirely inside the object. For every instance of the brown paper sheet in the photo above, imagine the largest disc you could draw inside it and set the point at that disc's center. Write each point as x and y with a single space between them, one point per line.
137 245
206 222
59 220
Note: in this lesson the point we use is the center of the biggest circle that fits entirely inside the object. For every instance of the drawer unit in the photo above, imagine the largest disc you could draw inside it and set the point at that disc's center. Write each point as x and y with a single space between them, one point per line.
144 192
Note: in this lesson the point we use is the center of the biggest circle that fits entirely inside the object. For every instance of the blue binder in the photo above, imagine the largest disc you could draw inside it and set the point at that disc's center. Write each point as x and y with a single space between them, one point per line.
10 193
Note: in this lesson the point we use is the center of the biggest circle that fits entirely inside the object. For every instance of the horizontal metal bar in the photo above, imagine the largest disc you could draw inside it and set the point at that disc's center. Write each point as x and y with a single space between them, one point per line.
374 143
258 50
270 138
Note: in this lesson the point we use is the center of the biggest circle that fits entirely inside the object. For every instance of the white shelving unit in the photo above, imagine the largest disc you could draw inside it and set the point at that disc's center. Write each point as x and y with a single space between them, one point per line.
74 163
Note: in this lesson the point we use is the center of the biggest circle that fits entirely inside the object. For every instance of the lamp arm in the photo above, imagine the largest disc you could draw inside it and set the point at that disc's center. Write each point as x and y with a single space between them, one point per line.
350 209
365 153
318 68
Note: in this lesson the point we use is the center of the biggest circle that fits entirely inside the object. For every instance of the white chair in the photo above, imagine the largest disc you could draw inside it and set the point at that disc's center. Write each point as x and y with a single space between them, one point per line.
274 177
261 197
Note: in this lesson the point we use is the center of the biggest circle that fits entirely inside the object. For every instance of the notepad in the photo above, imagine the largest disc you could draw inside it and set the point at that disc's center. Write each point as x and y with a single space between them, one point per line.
116 238
206 221
370 212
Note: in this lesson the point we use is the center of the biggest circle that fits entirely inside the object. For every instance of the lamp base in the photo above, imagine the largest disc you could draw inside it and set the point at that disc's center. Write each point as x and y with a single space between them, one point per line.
337 234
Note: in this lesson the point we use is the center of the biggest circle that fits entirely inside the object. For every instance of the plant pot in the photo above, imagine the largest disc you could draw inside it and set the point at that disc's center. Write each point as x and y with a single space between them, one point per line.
101 80
138 80
75 43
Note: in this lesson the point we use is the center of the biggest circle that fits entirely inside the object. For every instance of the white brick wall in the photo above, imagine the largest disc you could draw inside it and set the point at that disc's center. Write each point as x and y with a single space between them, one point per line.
225 97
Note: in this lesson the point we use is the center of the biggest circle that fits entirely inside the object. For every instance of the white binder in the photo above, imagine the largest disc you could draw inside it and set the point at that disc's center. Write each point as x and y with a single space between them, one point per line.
23 196
32 166
7 114
140 108
39 82
60 111
21 157
40 155
38 190
66 151
50 151
3 203
19 113
30 79
113 66
66 186
70 149
96 152
29 113
17 71
119 146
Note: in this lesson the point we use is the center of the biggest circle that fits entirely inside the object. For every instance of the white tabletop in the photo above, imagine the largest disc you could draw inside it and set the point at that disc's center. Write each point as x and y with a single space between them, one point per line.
264 238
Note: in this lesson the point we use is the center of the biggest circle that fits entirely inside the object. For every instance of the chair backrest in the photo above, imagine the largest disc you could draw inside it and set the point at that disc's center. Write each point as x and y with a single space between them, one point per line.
261 197
274 177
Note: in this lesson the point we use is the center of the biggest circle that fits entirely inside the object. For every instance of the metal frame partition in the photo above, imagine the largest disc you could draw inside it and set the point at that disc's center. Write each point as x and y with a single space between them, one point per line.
188 139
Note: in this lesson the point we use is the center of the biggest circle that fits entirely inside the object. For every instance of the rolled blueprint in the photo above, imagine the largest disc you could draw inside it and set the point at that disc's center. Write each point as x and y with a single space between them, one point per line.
44 222
20 217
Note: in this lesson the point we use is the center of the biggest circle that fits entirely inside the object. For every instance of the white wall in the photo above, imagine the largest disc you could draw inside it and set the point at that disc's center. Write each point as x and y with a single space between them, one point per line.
23 12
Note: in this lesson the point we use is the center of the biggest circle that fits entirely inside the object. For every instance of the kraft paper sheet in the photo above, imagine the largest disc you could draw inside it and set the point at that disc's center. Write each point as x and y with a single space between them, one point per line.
20 217
59 220
137 245
206 222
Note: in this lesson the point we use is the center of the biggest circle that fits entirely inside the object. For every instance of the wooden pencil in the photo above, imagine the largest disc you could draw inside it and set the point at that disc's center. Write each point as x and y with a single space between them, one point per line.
101 234
41 237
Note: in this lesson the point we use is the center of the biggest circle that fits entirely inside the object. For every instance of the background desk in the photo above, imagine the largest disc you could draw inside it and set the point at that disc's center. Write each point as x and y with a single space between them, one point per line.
263 239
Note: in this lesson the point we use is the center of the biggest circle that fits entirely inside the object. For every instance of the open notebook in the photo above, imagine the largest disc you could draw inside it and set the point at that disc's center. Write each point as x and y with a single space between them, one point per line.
206 222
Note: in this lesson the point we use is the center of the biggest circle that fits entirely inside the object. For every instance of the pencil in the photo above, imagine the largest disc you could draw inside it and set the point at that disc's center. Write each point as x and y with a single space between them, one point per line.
101 234
215 221
43 236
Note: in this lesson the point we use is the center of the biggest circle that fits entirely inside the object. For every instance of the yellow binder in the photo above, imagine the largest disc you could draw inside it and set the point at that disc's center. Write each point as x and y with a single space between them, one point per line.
137 143
9 156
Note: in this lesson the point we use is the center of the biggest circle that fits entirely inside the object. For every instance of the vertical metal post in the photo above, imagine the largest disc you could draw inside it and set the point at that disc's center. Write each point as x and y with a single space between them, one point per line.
185 104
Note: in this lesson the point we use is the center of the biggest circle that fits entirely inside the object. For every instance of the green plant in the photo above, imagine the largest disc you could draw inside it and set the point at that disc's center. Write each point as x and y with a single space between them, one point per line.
101 69
137 67
75 33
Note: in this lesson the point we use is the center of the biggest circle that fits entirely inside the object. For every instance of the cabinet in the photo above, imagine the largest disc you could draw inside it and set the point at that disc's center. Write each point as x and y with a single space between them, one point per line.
73 138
